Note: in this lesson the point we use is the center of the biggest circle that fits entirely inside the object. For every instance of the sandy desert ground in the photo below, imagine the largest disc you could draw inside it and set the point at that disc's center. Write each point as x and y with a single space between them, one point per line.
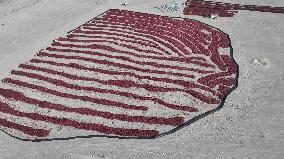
250 125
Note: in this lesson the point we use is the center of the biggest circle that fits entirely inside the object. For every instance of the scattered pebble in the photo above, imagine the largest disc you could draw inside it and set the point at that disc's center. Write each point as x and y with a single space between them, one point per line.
173 7
125 4
258 61
213 16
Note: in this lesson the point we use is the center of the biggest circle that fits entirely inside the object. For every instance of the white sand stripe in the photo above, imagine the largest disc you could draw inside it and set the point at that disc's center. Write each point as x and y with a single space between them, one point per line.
162 43
196 57
185 31
99 75
118 39
153 82
118 33
114 41
102 62
186 99
74 120
152 111
144 23
36 124
146 30
151 20
162 49
122 26
21 126
183 66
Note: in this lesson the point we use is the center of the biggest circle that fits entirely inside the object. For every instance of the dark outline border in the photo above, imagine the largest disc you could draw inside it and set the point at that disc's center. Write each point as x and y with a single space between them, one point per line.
194 119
